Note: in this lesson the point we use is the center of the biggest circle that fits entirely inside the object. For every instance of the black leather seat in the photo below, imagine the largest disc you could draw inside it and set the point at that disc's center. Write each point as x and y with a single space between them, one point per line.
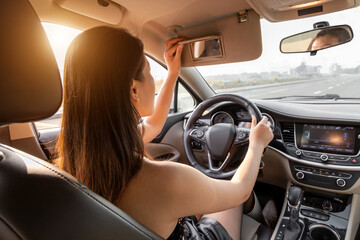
38 200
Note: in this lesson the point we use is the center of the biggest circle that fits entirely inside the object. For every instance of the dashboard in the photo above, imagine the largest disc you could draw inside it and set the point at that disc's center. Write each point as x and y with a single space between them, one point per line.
319 141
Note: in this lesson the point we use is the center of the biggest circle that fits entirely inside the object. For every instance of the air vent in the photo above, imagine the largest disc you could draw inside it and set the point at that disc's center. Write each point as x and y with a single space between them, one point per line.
287 131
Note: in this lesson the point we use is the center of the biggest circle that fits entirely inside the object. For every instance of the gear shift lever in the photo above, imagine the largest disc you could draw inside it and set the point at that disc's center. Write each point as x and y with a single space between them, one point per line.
294 201
293 229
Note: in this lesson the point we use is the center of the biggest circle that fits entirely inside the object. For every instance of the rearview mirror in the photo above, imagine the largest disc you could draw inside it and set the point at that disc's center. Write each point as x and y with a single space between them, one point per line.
317 39
205 48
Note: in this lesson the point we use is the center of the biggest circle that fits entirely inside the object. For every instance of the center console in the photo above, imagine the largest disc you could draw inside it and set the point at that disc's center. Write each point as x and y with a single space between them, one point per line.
336 149
321 216
325 156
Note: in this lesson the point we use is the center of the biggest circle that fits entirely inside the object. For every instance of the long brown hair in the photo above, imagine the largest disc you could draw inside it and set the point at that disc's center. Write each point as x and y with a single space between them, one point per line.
99 141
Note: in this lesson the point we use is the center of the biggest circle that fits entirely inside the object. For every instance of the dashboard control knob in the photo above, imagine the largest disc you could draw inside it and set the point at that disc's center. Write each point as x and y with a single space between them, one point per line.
324 157
326 205
340 182
298 152
300 175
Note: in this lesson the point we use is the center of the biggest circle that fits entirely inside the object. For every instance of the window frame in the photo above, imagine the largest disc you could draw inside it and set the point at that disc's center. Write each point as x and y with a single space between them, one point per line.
179 80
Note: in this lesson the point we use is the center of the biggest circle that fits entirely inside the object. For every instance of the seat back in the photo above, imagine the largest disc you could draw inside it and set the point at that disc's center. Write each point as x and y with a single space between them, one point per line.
38 200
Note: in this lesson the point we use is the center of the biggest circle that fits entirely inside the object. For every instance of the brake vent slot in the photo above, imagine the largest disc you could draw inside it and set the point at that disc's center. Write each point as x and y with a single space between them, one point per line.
287 132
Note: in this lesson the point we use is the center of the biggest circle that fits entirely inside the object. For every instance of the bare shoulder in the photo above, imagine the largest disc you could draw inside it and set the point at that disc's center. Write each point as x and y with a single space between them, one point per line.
164 185
170 171
153 185
175 179
185 190
163 173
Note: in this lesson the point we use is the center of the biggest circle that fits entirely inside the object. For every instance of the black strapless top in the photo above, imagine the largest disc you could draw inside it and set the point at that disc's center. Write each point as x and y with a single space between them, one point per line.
178 232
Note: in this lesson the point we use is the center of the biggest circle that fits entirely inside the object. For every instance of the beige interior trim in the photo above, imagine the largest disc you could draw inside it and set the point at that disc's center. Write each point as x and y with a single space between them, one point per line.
284 206
20 131
354 218
49 11
272 161
275 11
112 13
22 136
145 10
172 138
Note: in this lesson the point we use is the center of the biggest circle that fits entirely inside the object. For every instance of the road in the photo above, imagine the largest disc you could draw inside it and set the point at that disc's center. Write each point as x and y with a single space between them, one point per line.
346 86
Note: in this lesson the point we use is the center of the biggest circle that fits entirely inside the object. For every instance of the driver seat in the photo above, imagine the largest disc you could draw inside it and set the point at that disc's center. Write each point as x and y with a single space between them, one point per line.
38 200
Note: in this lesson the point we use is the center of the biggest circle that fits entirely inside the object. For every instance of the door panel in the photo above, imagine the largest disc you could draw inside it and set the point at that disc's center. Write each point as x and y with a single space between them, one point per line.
162 152
174 138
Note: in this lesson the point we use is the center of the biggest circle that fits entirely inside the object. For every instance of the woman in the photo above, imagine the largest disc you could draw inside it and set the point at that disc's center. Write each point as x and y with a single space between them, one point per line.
107 89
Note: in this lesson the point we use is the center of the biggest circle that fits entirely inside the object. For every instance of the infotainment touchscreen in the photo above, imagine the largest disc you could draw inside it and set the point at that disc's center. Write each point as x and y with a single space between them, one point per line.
325 138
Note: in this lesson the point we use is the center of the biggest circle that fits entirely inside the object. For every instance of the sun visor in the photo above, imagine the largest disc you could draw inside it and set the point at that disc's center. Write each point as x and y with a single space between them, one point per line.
30 85
240 34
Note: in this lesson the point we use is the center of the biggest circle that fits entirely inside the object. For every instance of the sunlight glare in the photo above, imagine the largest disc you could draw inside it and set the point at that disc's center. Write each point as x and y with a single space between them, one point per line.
60 38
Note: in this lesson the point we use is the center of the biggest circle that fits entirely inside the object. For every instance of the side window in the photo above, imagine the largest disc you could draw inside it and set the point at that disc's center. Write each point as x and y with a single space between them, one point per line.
185 101
158 72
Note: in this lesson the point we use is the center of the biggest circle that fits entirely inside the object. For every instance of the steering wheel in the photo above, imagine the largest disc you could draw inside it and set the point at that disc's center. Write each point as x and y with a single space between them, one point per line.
221 140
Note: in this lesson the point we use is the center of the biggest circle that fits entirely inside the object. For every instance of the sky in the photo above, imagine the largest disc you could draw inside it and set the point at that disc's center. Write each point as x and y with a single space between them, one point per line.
272 59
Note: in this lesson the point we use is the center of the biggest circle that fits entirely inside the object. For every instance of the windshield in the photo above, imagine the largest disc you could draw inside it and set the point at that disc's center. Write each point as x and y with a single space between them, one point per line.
334 70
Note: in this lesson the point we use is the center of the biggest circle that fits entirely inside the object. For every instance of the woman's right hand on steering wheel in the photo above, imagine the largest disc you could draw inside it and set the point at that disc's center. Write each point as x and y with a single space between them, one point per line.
260 134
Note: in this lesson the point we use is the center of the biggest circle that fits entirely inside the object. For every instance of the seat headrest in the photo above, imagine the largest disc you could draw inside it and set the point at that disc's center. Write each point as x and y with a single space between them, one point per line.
30 84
